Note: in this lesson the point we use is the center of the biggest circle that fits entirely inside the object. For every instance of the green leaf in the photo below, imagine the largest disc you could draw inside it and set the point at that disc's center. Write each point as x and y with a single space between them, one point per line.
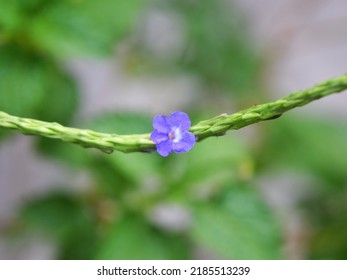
221 52
224 157
211 164
326 213
67 220
3 133
121 123
329 242
60 100
31 85
57 214
217 48
110 182
17 15
22 81
136 167
82 244
238 226
133 238
311 145
68 28
67 153
33 5
10 16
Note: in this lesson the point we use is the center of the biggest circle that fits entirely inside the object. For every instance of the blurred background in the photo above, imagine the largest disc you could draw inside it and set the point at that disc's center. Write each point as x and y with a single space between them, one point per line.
274 190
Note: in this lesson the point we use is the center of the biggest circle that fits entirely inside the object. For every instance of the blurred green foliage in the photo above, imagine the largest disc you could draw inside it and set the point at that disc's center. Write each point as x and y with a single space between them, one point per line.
327 212
67 27
216 183
228 227
217 49
23 94
304 148
315 147
134 238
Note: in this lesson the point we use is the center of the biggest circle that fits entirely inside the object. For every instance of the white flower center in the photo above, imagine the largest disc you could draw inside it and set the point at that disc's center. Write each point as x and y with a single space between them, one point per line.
175 135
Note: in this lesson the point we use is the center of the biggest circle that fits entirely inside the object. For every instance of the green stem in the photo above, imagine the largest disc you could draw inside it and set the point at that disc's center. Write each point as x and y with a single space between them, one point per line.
268 111
202 130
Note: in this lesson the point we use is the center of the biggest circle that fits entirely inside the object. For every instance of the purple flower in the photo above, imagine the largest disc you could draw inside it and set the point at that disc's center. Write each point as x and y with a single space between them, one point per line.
171 134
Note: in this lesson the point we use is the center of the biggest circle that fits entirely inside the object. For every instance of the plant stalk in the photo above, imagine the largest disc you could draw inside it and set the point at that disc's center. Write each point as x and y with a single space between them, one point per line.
212 127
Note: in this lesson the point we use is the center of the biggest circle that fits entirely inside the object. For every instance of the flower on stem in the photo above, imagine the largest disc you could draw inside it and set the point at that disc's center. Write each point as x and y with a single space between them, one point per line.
171 134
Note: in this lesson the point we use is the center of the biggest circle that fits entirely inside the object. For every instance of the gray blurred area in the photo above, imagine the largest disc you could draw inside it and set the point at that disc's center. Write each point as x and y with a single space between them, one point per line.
304 42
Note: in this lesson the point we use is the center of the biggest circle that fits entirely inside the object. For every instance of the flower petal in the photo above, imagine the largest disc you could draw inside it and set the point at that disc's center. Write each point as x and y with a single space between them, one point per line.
161 124
179 120
164 148
185 144
158 137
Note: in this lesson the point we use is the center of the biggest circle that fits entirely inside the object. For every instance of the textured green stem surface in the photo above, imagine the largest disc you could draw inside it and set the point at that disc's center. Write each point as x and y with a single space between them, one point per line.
212 127
268 111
